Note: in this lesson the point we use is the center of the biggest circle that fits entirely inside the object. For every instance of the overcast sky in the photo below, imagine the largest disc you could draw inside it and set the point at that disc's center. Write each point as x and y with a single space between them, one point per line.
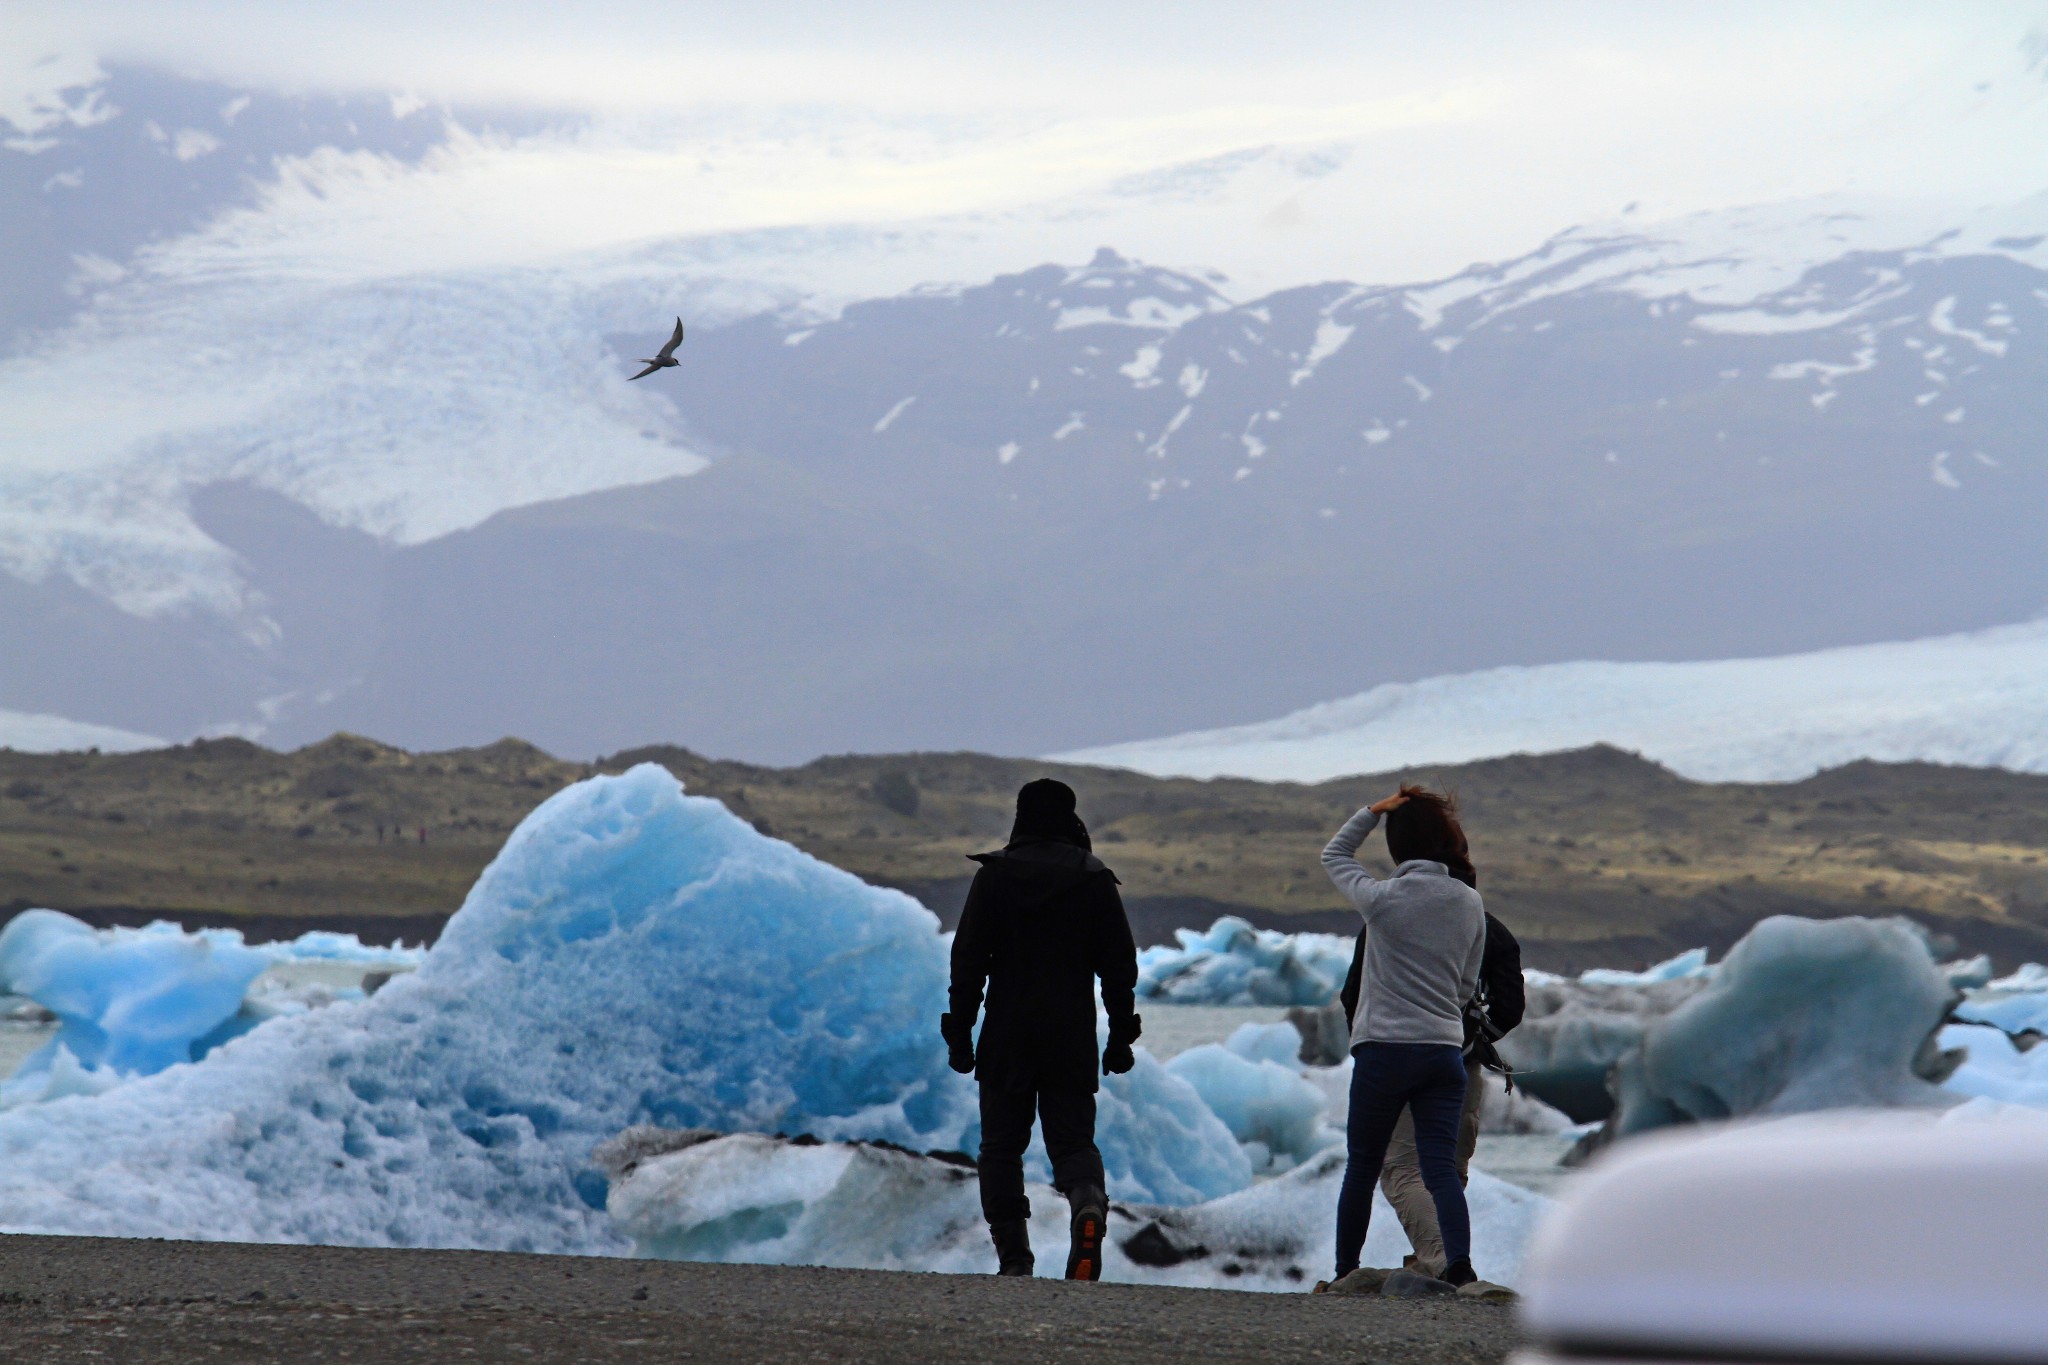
1465 131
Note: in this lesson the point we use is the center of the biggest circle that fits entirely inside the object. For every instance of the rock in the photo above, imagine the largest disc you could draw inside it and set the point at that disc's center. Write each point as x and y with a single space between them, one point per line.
1486 1291
1364 1280
376 981
1325 1037
1406 1284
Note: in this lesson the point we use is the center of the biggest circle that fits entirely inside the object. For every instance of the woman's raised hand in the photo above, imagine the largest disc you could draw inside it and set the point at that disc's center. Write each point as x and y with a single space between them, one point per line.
1385 804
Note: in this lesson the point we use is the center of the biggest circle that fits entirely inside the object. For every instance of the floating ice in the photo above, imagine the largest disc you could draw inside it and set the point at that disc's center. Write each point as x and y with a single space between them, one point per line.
1267 1043
2014 1003
1994 1067
1575 1031
631 956
1234 964
1803 1015
1160 1142
756 1199
134 1001
321 945
129 1001
1690 963
1266 1104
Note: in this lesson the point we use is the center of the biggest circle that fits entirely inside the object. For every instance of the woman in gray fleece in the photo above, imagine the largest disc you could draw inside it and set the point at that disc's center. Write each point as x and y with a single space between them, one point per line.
1425 936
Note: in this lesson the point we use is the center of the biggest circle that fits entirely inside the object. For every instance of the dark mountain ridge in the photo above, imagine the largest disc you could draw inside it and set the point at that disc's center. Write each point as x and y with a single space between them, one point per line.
1595 857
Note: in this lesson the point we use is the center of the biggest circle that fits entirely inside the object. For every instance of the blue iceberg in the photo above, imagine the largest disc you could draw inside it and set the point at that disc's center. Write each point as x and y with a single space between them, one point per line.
633 956
1232 963
126 1000
1254 1083
1802 1015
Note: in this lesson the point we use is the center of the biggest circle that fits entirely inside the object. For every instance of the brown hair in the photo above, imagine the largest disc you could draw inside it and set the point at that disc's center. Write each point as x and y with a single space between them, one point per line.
1426 826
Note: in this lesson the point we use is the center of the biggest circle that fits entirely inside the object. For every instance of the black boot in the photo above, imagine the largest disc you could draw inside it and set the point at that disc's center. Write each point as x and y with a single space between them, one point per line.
1013 1247
1090 1225
1459 1273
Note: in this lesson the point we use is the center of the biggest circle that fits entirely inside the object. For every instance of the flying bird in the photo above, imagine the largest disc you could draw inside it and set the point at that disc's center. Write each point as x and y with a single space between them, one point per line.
665 358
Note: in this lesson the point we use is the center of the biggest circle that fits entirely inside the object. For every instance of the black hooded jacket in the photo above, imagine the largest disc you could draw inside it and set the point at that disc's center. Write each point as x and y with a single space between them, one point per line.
1043 920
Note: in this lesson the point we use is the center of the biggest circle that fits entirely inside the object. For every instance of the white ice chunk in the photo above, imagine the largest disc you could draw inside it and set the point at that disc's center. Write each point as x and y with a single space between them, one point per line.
763 1200
1692 962
1232 963
1996 1068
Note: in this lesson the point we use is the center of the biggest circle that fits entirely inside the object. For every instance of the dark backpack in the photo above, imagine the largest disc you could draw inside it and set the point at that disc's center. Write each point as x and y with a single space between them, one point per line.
1491 1014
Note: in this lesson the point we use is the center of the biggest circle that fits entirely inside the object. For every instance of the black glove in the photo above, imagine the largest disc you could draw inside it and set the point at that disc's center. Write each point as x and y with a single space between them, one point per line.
1117 1058
959 1038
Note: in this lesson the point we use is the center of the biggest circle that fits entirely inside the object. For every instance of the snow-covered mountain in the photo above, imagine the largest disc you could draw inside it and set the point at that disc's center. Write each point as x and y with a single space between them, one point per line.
1977 699
1055 508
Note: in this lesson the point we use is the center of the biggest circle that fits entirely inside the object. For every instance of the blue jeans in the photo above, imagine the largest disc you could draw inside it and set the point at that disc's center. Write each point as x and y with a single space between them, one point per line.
1427 1079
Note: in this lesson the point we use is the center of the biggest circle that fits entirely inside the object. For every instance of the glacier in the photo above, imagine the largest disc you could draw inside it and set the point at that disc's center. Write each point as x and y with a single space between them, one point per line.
1972 699
36 733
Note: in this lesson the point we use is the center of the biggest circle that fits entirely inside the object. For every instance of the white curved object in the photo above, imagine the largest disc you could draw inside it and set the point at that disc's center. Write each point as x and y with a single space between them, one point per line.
1850 1237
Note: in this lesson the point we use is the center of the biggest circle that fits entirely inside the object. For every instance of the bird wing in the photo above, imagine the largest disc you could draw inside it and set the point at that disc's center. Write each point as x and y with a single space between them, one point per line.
669 350
649 370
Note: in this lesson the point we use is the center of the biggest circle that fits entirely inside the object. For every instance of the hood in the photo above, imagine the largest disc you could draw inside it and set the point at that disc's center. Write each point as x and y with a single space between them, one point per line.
1051 862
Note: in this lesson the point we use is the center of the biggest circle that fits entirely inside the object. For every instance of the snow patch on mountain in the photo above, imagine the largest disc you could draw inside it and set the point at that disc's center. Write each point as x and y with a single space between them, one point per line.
1976 699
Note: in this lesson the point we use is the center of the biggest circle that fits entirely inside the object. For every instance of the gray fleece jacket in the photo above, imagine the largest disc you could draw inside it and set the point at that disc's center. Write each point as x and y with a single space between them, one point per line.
1425 936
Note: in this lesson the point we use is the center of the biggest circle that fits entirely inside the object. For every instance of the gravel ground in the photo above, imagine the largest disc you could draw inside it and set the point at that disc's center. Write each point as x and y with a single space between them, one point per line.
102 1299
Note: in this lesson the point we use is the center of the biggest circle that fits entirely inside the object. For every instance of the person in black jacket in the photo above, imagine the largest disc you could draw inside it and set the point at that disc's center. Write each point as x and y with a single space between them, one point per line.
1042 922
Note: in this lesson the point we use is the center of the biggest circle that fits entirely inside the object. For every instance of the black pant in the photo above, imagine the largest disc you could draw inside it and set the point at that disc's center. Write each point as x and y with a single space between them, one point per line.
1068 1119
1428 1080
